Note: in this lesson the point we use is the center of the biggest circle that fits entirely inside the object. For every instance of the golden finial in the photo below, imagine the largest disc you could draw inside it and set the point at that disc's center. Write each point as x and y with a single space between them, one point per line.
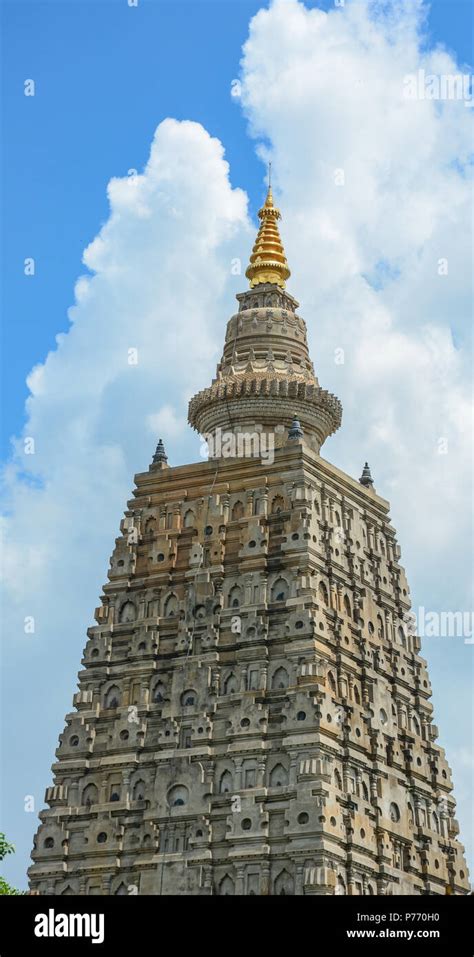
268 261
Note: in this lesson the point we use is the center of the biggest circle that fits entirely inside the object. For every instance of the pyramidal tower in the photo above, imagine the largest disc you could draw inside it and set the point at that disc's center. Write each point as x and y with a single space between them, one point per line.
253 714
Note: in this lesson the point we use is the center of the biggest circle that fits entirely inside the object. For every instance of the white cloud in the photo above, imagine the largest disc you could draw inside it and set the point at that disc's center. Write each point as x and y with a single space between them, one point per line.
166 422
160 284
324 92
160 279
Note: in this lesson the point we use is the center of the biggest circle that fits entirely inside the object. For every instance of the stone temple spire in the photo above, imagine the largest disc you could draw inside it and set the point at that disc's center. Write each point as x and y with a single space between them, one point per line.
265 378
205 759
160 458
366 477
295 431
268 261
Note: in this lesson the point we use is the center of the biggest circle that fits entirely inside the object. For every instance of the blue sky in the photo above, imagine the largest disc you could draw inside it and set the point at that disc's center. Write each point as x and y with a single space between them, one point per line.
106 76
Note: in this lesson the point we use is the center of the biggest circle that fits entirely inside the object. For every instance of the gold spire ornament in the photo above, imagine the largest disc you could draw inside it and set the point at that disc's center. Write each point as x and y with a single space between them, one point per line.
268 261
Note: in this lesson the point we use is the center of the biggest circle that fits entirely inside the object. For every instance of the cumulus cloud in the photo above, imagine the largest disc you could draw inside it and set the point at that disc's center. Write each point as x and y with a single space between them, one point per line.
159 277
375 189
146 330
376 195
324 96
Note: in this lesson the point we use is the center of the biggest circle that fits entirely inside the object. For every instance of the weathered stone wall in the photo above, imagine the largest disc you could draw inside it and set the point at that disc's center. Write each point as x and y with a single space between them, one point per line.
252 716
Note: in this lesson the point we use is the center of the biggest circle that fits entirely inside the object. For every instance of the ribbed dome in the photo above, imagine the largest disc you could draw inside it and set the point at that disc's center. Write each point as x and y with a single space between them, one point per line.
268 261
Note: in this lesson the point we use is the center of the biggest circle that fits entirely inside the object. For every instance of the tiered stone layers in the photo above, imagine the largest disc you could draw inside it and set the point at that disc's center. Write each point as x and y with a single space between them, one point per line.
252 717
265 377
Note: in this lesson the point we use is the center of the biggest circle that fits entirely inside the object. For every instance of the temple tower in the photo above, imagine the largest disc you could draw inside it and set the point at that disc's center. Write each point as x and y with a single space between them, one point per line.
253 714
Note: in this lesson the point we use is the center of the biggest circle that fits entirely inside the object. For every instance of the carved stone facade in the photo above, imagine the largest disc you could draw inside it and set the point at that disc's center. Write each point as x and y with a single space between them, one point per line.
253 715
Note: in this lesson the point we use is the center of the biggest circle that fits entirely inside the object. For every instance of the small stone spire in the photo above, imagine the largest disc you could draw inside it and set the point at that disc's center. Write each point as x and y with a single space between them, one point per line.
268 261
366 478
295 431
160 457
